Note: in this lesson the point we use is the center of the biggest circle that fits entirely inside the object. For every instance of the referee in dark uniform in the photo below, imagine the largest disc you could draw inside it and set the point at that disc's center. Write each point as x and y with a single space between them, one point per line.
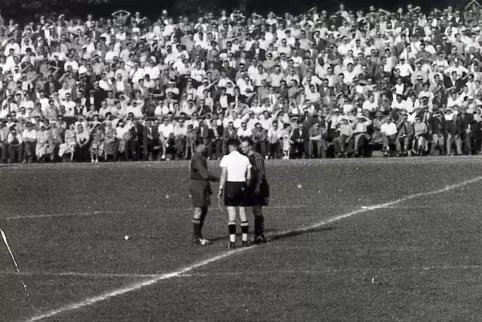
258 190
200 190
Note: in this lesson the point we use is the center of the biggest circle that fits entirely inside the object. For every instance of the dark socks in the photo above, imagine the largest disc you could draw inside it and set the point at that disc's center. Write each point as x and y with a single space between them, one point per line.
259 225
196 224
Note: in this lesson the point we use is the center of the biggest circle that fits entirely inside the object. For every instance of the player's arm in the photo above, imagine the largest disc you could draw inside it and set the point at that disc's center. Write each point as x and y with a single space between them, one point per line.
203 171
200 168
260 169
222 181
248 174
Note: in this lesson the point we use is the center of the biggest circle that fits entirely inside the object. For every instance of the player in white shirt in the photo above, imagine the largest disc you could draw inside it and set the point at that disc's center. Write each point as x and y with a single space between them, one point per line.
235 177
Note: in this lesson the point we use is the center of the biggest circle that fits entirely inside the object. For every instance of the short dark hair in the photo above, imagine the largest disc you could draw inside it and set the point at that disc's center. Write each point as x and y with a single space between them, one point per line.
198 142
249 141
233 142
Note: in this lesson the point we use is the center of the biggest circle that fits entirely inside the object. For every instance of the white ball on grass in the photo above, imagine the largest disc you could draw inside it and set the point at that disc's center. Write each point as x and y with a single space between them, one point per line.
167 196
126 237
299 186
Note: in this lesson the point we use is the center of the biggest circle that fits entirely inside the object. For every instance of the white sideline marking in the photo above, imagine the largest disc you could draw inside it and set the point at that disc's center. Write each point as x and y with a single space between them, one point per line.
413 207
308 272
80 274
136 286
74 214
111 212
334 271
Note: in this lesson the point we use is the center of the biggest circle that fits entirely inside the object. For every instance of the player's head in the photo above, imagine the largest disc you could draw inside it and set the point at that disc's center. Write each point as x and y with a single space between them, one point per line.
233 145
199 145
247 146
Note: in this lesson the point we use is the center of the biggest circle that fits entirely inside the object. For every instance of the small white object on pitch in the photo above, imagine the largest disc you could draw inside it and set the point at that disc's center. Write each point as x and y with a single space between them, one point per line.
126 237
167 196
299 186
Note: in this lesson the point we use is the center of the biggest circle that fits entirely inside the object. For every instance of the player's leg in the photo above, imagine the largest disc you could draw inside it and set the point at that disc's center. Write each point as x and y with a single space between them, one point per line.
204 212
244 225
196 225
232 226
200 202
258 225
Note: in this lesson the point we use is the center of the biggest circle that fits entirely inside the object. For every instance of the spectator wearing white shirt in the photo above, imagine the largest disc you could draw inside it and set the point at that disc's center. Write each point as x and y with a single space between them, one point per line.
389 133
369 105
15 146
405 69
166 128
135 109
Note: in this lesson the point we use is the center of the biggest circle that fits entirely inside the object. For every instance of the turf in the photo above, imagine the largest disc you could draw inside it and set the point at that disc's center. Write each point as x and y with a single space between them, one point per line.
416 261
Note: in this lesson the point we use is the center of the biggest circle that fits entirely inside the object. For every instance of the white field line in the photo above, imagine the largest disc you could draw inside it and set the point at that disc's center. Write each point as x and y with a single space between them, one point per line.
412 207
111 212
187 269
246 273
80 274
335 271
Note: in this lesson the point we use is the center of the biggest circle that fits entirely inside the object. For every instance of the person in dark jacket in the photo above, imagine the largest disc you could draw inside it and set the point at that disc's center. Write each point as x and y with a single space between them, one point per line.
437 130
301 140
468 130
138 139
453 129
258 190
200 190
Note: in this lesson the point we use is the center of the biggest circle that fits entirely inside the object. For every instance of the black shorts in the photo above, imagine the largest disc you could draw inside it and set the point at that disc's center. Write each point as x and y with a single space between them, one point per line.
235 194
258 199
200 193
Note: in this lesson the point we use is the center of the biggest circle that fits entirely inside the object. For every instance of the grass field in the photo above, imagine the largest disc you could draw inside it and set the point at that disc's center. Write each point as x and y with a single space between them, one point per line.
361 240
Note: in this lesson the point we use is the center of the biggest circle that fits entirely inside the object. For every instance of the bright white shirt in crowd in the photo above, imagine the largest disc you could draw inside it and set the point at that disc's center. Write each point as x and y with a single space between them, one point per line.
180 130
120 131
369 106
19 138
405 69
236 122
361 127
266 123
166 130
400 105
237 166
453 102
136 110
194 123
69 108
244 133
389 129
29 135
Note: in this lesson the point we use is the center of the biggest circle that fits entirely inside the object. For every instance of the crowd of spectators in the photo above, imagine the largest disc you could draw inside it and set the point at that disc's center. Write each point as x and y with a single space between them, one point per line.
310 86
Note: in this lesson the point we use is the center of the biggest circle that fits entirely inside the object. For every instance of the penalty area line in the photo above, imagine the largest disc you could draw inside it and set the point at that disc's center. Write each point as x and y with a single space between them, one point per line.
187 269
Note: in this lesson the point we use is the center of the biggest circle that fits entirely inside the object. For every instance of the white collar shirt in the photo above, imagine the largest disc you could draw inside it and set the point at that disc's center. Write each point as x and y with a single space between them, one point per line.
237 166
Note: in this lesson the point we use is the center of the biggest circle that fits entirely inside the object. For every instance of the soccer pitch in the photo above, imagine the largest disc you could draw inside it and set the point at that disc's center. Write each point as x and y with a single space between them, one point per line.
353 240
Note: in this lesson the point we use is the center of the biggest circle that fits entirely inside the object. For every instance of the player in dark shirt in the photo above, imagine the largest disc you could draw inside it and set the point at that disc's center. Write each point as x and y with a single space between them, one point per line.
200 190
258 191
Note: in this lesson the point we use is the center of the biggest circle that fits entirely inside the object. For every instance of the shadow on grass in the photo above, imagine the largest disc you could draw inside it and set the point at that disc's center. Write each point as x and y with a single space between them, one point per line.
274 234
226 237
290 234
